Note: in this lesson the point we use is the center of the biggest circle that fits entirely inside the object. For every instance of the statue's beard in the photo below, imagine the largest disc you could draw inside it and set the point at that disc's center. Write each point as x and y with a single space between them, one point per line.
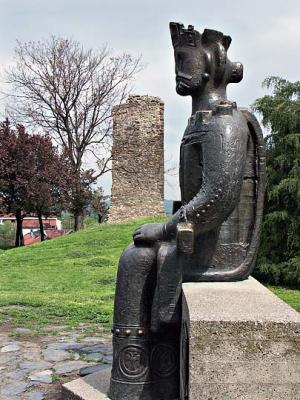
182 88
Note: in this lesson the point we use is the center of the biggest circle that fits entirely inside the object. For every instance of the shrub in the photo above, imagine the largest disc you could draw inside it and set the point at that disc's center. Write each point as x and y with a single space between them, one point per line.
286 273
7 235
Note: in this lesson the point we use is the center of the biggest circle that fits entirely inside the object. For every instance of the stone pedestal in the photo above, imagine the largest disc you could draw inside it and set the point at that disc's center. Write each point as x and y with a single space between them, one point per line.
243 343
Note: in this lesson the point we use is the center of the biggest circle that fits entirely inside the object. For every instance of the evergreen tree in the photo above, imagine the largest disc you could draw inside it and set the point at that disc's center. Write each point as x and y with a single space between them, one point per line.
280 113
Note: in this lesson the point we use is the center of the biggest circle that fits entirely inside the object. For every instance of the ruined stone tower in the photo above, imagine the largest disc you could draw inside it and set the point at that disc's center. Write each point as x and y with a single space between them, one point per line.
138 159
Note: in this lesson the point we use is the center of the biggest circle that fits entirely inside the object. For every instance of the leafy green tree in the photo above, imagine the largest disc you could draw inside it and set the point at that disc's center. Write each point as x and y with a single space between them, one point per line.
280 112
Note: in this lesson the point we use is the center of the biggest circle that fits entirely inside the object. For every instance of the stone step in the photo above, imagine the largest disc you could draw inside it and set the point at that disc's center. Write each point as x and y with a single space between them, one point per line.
91 387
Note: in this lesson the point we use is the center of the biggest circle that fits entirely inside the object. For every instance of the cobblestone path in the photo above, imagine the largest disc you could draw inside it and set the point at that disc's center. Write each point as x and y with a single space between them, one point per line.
34 365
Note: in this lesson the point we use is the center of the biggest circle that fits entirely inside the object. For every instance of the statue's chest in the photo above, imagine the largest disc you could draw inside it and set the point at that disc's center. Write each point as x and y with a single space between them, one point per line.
191 165
203 135
192 157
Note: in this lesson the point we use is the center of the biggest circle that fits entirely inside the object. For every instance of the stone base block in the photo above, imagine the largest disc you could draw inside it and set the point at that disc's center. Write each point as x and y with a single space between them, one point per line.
91 387
243 342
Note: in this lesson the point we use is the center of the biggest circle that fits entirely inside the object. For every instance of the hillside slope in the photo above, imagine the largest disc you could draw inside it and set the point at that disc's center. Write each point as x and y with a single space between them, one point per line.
71 278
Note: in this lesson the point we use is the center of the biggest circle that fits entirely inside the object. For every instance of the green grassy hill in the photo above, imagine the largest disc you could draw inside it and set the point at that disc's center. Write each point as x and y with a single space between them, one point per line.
70 279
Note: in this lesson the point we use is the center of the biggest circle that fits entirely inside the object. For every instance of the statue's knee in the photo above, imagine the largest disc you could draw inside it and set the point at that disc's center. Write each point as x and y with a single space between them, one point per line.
136 259
134 281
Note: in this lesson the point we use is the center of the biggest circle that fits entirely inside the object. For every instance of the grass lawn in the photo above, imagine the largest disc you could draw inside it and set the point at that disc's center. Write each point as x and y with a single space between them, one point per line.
292 297
66 280
71 279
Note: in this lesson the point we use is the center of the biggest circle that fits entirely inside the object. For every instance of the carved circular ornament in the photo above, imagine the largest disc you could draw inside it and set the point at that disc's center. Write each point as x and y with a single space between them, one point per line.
133 361
163 360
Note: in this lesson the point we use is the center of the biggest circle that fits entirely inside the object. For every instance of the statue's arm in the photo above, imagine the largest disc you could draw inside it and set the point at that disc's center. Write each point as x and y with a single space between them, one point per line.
223 166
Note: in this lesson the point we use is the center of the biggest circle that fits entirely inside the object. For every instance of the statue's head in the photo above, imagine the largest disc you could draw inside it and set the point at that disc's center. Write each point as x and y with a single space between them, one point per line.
201 60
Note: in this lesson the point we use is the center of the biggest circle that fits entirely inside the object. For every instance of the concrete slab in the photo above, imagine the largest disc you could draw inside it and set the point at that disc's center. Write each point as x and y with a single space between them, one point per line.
91 387
246 300
242 342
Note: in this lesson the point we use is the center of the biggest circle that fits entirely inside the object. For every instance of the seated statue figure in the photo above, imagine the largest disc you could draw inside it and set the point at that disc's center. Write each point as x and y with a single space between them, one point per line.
213 236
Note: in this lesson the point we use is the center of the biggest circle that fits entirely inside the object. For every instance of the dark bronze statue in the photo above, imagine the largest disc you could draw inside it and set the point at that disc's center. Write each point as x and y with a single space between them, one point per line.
212 237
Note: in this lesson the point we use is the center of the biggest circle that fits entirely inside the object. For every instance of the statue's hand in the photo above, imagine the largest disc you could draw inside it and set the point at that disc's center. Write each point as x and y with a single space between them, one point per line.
148 233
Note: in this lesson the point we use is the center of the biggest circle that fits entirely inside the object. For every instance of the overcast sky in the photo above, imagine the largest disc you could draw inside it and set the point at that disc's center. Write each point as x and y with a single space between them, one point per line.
265 38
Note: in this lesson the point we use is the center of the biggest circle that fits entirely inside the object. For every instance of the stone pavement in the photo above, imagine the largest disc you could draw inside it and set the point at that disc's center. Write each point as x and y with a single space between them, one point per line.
34 365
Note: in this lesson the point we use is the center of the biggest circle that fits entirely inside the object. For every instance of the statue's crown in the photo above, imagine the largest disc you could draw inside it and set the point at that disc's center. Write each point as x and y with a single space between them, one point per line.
182 36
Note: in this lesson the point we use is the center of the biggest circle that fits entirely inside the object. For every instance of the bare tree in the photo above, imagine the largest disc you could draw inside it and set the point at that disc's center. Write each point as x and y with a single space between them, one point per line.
69 93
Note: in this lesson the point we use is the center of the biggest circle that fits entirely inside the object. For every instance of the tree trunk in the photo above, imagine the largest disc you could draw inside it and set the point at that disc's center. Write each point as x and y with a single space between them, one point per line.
78 208
40 217
19 231
78 221
99 218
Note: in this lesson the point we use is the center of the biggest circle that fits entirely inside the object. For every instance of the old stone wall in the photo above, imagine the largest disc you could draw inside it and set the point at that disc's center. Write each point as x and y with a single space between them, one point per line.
138 159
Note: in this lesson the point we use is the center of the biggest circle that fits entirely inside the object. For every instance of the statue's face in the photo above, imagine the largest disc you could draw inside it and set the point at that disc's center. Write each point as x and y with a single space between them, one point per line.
190 65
